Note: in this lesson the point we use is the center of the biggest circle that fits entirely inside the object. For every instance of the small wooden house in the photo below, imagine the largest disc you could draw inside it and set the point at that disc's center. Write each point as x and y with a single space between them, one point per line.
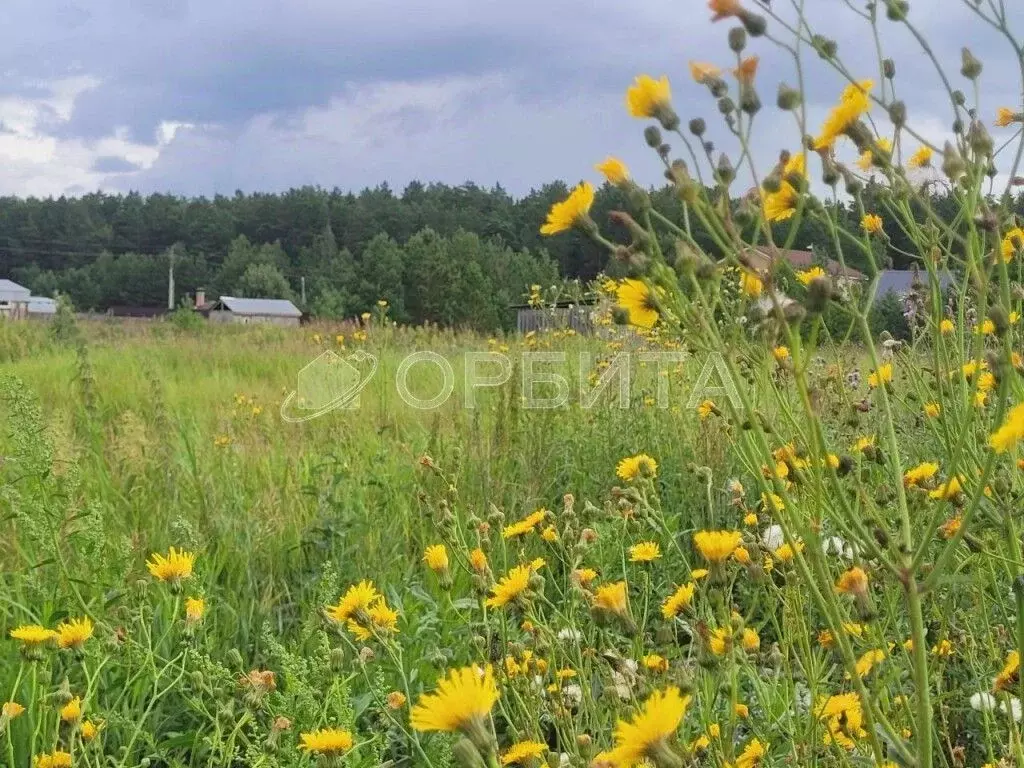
14 300
563 315
228 309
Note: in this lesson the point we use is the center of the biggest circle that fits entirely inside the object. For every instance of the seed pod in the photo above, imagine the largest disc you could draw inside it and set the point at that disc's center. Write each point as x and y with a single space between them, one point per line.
697 126
737 39
788 98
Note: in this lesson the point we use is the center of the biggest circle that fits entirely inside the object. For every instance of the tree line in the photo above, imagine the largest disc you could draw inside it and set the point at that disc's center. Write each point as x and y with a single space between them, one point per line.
449 254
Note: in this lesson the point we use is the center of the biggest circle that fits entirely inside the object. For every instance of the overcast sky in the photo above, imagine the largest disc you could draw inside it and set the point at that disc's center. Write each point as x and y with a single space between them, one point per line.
210 96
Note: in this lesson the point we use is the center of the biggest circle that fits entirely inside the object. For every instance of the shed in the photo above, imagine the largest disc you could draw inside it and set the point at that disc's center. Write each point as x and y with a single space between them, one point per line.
762 259
228 309
565 314
41 308
901 281
13 300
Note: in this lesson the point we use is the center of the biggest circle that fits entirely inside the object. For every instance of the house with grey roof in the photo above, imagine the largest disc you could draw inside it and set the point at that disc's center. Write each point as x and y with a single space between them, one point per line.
229 309
901 281
13 300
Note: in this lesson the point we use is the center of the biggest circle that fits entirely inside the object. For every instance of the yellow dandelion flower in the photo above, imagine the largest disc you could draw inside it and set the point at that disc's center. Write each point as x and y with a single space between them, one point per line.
702 72
943 649
571 212
11 710
549 534
948 490
175 568
752 754
72 711
1006 117
922 158
724 9
632 467
522 752
32 635
89 730
863 443
678 601
461 702
656 663
931 410
781 353
720 640
852 105
72 634
706 408
612 598
1009 676
326 741
478 560
882 376
867 158
357 600
614 170
56 759
698 573
750 640
646 735
787 551
648 97
635 297
871 223
583 576
750 284
805 276
526 525
844 718
853 582
195 609
869 661
644 552
1012 244
436 558
510 587
716 546
395 700
921 473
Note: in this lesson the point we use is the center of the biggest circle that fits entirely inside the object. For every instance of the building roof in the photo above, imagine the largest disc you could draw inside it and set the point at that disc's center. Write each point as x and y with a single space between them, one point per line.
900 281
266 307
40 305
11 291
807 259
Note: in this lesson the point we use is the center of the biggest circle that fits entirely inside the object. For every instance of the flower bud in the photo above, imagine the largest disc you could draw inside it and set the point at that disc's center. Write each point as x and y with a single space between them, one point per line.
889 68
825 47
896 10
726 105
754 23
979 139
467 755
953 164
698 126
652 135
788 98
737 39
725 171
898 113
970 67
750 102
958 98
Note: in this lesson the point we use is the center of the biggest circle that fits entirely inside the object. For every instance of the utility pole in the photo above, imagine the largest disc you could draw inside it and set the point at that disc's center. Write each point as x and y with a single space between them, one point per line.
302 282
170 281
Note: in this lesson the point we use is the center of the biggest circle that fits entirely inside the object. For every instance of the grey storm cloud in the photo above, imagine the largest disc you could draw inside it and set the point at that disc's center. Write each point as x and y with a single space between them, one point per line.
270 94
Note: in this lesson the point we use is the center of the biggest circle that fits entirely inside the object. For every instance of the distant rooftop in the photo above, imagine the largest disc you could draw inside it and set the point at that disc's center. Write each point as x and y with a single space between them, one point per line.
11 291
265 307
900 281
806 259
40 305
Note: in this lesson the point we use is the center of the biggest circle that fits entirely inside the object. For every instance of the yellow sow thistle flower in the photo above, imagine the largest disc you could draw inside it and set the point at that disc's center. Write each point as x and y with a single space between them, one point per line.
750 284
750 640
395 700
379 618
32 635
56 759
882 376
1012 244
327 741
922 158
871 223
868 661
702 72
195 609
742 711
522 752
613 599
72 711
706 408
781 354
1011 431
1009 676
1006 117
436 558
648 97
478 560
175 568
752 754
526 525
788 551
717 546
946 327
89 731
571 212
11 710
647 735
678 601
919 474
951 527
635 297
853 103
614 170
931 410
844 717
549 534
853 582
867 158
807 275
644 552
461 702
655 663
583 576
632 467
948 490
724 9
357 600
72 634
510 587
